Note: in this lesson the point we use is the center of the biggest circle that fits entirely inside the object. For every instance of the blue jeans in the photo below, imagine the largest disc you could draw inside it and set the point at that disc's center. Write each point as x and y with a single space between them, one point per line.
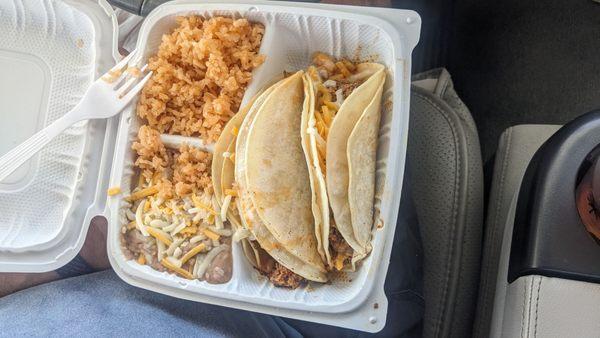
100 304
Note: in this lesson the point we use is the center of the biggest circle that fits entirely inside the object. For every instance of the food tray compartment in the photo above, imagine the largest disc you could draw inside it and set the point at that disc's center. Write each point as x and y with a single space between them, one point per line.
291 37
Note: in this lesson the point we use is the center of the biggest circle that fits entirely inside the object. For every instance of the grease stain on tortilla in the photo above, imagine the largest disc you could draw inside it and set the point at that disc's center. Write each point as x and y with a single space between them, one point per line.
297 240
272 198
388 104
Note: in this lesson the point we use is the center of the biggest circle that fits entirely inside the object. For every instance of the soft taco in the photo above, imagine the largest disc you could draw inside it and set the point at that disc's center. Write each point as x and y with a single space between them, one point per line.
273 197
340 127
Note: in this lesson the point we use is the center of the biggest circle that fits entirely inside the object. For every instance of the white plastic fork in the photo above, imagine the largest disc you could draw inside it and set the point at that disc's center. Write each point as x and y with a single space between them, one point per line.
106 97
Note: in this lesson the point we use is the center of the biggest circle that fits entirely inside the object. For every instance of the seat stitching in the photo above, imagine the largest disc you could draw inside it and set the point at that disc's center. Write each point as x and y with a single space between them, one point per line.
529 305
524 306
495 232
536 306
444 291
443 303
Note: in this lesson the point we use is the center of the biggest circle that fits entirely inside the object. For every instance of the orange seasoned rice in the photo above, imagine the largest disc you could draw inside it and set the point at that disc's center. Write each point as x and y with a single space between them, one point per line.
199 75
180 172
191 171
152 158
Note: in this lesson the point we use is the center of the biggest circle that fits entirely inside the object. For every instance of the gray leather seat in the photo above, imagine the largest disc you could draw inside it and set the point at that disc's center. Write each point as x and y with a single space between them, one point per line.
517 146
513 310
447 183
532 305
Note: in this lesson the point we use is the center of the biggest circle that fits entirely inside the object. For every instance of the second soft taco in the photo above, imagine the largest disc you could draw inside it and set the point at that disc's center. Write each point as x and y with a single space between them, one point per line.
340 130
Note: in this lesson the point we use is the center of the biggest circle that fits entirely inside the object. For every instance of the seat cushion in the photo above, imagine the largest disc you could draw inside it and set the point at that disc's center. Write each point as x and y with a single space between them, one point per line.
517 146
445 161
538 306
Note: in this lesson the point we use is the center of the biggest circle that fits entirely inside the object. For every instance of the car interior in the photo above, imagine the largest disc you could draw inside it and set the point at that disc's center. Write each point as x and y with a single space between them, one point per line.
505 251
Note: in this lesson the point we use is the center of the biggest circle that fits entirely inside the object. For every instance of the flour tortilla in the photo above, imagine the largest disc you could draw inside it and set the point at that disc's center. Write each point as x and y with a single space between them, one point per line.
362 155
250 252
227 180
320 206
364 100
277 174
320 202
290 255
222 168
222 145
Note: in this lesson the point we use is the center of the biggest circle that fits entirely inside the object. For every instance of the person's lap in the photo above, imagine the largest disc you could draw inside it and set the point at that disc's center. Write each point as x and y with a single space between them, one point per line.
102 304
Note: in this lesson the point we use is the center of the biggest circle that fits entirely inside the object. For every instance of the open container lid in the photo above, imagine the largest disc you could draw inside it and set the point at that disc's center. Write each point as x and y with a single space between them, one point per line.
51 52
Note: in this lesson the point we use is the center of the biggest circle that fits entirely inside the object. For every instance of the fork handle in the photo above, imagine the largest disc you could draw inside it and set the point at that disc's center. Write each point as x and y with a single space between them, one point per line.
24 151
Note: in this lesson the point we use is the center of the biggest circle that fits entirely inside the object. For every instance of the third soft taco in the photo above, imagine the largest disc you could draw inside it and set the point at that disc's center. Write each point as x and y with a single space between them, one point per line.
341 124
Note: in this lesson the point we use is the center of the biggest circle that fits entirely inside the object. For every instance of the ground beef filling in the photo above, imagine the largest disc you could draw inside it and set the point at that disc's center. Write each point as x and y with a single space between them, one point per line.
278 274
339 248
282 276
348 88
337 242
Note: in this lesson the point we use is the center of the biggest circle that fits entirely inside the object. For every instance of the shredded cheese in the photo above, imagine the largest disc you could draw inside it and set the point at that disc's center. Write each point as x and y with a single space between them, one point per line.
131 225
209 257
193 252
182 272
191 230
177 252
342 67
141 259
240 234
219 222
180 227
159 235
161 249
156 223
231 192
138 219
211 235
332 105
138 195
312 72
197 239
337 77
222 232
225 207
351 67
176 243
326 95
339 262
200 205
114 191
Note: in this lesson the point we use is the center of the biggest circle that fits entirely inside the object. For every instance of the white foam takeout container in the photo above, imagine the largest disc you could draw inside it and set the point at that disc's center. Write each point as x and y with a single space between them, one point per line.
50 52
293 31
